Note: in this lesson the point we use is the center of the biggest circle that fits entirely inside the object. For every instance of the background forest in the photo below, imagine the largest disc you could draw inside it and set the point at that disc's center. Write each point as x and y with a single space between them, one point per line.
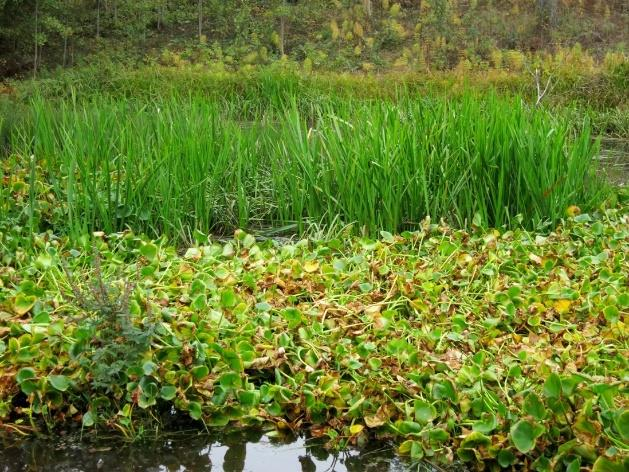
348 35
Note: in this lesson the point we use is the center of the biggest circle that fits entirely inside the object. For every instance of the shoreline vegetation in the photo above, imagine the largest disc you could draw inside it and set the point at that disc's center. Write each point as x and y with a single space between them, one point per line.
276 158
597 91
499 347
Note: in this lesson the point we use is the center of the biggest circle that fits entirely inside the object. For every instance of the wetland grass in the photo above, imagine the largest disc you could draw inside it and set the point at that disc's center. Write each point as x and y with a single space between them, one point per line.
180 164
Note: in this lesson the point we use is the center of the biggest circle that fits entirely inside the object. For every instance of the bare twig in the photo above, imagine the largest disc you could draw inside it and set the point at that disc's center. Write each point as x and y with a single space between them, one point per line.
537 76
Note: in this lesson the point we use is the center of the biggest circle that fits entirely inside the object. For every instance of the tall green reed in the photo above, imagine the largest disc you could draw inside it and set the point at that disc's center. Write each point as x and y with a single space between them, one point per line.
185 163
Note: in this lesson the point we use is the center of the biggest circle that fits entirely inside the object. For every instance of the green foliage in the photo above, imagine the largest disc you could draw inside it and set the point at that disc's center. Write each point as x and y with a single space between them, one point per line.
180 164
415 35
109 344
421 337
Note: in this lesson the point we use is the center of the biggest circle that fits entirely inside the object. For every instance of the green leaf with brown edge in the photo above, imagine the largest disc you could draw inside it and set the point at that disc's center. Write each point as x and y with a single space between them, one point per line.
23 303
603 464
475 440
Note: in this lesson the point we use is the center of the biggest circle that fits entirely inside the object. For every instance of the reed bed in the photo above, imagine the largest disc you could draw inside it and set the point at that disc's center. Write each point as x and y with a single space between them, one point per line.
180 164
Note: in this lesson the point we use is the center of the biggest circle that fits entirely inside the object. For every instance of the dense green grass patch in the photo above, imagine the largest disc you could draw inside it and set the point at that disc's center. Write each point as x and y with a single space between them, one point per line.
180 164
601 88
504 348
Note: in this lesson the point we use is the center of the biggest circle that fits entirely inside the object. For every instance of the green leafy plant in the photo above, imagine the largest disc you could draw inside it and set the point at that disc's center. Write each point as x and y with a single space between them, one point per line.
109 340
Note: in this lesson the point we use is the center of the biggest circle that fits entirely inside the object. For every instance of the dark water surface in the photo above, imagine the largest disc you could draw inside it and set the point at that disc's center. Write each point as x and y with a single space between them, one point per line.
614 160
230 452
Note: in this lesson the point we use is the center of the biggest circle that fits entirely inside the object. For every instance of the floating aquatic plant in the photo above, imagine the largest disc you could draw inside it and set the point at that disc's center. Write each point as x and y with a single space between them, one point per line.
506 348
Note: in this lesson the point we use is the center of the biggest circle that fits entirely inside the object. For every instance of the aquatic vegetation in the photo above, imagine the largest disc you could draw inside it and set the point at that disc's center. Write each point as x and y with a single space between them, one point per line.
500 347
180 164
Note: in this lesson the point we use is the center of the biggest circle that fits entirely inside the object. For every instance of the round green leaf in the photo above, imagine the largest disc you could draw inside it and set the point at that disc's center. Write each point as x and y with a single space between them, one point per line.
524 435
603 464
424 411
486 424
611 313
59 382
228 298
622 424
249 398
444 390
29 386
149 367
88 419
194 409
168 392
230 380
23 374
200 371
409 427
506 458
149 251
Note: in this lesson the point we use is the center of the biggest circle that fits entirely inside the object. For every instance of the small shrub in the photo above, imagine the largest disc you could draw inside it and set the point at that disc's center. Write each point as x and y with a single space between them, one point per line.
108 341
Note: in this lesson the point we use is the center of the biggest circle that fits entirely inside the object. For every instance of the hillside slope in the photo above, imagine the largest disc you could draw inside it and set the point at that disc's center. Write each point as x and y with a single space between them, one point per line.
347 35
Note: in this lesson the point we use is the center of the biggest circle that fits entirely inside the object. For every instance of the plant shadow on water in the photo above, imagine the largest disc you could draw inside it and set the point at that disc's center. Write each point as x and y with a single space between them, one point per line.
237 451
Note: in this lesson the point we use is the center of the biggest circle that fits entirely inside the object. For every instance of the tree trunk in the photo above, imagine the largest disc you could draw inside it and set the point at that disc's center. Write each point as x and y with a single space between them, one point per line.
160 16
65 49
368 7
98 19
200 6
35 57
282 33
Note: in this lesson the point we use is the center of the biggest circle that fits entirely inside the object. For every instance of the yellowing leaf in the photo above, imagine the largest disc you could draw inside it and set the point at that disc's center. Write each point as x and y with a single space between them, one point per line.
311 266
193 253
23 304
356 429
535 258
562 306
573 210
375 421
464 259
373 310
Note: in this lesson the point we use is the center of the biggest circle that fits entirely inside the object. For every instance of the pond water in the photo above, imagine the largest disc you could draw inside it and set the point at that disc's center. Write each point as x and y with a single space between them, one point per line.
242 451
614 160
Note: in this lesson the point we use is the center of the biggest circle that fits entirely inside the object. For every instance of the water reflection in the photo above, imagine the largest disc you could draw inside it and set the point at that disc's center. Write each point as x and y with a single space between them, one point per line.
231 452
614 160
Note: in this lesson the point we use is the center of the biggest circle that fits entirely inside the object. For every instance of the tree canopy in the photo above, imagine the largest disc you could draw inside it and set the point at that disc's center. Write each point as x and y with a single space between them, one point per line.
338 34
